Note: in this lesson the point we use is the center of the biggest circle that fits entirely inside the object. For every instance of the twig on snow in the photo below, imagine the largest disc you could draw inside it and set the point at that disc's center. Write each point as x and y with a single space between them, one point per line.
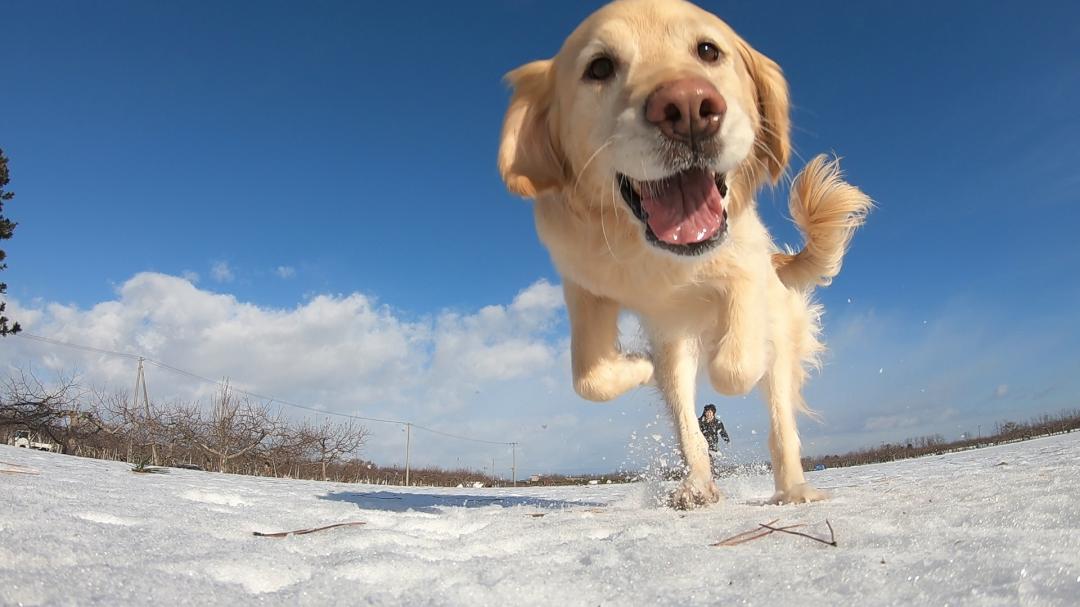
144 467
305 531
832 535
746 536
765 529
150 470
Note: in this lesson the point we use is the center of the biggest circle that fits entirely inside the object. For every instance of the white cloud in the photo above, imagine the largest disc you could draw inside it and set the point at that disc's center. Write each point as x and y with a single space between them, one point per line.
285 272
346 354
221 272
536 303
1001 391
190 276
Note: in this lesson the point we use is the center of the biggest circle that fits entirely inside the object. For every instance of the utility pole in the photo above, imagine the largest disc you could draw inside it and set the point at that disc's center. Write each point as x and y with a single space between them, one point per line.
513 467
493 472
140 382
408 441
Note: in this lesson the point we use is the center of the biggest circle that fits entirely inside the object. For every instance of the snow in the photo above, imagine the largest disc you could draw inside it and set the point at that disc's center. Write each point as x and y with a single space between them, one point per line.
995 526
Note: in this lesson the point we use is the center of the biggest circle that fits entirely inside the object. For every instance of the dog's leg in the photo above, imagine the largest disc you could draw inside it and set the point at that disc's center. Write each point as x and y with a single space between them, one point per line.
677 365
738 360
781 389
601 371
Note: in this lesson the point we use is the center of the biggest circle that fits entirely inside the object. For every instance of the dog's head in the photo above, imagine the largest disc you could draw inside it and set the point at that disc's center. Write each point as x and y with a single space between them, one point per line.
655 105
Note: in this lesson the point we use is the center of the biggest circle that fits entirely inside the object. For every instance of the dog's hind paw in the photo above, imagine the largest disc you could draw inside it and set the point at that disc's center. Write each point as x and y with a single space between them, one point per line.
799 494
695 494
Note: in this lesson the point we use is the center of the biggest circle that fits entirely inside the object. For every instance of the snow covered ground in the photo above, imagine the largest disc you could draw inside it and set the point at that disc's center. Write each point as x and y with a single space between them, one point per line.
996 526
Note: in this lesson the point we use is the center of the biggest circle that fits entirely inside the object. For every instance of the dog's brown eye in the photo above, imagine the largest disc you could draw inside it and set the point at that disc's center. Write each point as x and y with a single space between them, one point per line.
708 52
600 69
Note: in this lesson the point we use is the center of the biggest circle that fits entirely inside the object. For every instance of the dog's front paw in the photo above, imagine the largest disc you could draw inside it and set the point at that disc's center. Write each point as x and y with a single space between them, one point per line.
694 493
737 367
639 369
799 494
609 379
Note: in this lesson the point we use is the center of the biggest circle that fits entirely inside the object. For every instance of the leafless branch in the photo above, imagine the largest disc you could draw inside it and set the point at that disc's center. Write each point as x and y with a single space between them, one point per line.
765 529
306 531
832 536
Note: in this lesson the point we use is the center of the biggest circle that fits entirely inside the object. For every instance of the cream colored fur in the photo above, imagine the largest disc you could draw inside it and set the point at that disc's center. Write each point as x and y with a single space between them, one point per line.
827 210
741 312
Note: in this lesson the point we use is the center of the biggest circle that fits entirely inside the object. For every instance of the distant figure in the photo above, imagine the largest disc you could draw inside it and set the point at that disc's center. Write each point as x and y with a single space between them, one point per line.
712 427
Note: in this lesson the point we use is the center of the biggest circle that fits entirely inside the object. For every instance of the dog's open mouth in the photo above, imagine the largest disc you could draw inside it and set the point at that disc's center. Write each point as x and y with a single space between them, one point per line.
683 213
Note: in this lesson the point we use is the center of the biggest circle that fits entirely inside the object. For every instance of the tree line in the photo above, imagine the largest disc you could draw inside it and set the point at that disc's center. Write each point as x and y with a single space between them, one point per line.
238 435
229 434
936 444
232 434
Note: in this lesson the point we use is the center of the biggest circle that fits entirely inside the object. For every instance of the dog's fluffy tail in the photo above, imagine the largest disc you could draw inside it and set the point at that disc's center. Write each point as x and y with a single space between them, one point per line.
827 210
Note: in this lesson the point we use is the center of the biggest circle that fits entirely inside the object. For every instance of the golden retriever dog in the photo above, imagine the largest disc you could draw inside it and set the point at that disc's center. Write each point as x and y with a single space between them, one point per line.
643 142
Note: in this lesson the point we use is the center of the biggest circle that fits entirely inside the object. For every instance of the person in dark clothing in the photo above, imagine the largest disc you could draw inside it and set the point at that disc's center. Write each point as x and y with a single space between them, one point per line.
712 427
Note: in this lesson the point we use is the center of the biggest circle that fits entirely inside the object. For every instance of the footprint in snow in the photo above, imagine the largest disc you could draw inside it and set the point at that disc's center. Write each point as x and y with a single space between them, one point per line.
257 577
218 499
107 519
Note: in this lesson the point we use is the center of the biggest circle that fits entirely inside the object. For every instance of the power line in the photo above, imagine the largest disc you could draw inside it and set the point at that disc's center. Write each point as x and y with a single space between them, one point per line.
254 395
475 440
57 342
196 376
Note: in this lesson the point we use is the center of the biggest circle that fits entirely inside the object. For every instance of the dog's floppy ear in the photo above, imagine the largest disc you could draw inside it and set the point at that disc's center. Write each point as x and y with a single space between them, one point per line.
530 159
774 107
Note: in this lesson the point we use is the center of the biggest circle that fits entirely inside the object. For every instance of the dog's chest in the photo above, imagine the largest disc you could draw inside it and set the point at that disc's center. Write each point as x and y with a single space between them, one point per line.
608 256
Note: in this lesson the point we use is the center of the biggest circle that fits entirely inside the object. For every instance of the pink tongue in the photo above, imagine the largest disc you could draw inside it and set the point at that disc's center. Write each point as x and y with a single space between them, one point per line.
685 208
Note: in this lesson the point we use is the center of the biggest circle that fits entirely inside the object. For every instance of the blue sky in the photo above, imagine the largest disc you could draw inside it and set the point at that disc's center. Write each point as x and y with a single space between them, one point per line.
273 152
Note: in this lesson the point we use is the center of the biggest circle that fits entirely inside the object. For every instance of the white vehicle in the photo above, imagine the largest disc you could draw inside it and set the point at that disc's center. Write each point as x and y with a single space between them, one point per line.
28 440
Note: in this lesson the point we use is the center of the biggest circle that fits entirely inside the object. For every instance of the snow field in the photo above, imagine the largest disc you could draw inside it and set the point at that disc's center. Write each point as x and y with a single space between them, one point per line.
995 526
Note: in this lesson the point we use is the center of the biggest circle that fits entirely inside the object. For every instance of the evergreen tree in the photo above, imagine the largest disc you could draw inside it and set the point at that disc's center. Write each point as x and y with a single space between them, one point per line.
7 228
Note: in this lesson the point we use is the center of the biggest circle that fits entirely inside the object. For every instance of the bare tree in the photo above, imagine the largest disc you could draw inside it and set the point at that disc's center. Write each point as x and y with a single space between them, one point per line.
331 442
232 434
233 428
283 449
26 401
